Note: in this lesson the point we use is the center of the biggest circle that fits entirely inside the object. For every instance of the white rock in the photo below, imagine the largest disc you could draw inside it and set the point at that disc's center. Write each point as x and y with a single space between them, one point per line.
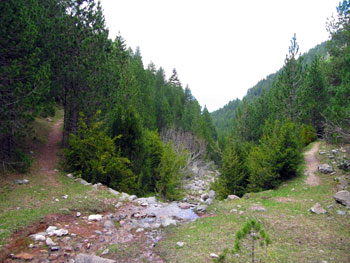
57 200
38 237
60 232
167 221
233 211
78 214
180 244
318 209
51 229
213 255
65 196
140 230
49 242
70 175
105 252
95 217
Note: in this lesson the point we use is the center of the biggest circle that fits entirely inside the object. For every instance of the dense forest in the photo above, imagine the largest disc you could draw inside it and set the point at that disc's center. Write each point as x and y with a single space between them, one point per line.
121 121
129 127
262 135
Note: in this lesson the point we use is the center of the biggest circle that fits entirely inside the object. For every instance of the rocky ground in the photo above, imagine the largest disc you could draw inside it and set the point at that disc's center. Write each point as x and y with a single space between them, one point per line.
82 237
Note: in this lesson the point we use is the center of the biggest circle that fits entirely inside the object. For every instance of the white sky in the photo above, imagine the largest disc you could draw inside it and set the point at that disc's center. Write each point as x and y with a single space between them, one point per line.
219 48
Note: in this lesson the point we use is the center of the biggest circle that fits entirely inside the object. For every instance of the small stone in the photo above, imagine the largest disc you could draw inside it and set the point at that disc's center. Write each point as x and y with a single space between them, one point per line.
233 211
105 252
317 209
23 256
49 242
25 181
98 232
30 245
241 212
70 175
184 205
340 212
180 244
204 196
325 168
65 196
202 208
213 255
38 237
78 214
55 248
57 200
95 217
139 230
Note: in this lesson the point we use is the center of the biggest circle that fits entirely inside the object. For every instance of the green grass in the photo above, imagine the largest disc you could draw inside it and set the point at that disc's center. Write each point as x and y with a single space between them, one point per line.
297 235
22 205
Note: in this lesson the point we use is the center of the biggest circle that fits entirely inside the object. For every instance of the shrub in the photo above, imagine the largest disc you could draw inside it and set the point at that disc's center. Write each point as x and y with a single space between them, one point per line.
92 155
308 134
276 158
170 175
234 171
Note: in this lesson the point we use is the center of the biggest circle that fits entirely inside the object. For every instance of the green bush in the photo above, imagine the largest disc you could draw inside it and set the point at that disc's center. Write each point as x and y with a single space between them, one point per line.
153 149
92 156
308 134
168 185
234 171
276 158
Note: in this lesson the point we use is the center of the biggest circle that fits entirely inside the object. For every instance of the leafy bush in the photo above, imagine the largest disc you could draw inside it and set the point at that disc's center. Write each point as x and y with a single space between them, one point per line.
92 155
276 158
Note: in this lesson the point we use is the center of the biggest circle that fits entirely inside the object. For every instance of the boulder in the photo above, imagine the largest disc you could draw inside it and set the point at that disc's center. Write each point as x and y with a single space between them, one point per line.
325 168
318 209
343 197
85 258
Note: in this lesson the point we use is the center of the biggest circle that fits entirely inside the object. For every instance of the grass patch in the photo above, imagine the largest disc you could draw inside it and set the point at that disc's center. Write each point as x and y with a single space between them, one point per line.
297 235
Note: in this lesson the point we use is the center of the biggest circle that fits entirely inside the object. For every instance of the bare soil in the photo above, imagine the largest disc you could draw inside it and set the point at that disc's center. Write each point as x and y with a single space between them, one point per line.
312 165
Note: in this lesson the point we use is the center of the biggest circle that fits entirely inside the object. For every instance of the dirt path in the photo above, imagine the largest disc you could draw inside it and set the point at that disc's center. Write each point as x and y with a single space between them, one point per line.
312 165
47 158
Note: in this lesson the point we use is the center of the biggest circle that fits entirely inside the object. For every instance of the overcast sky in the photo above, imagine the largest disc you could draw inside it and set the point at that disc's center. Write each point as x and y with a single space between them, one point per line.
219 48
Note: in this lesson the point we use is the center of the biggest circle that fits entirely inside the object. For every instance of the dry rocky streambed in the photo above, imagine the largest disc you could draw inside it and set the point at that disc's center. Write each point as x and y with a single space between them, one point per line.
91 238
